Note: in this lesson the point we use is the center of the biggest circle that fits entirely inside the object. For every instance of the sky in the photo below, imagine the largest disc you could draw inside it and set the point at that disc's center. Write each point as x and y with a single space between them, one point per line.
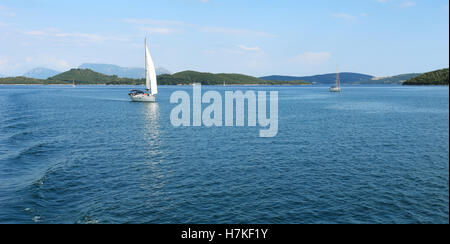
254 37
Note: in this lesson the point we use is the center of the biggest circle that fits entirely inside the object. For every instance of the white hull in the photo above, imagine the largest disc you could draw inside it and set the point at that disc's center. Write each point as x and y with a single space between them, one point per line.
143 98
335 89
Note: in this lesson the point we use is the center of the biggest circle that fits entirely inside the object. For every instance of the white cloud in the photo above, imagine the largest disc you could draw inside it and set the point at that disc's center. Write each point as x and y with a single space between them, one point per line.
233 32
156 22
3 61
407 4
38 60
158 30
162 27
6 12
71 36
3 24
246 48
7 66
173 26
344 16
63 64
313 58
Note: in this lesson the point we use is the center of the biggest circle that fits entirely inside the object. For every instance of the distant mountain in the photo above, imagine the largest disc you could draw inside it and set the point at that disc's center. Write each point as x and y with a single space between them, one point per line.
163 71
79 76
110 69
398 79
29 81
87 77
189 77
438 77
41 73
322 79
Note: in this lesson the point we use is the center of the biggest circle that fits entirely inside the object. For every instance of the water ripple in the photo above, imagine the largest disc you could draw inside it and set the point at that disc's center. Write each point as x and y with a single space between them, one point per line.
377 155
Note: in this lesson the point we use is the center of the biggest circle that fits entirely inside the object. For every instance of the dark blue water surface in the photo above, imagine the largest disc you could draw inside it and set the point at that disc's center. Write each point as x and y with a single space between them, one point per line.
88 155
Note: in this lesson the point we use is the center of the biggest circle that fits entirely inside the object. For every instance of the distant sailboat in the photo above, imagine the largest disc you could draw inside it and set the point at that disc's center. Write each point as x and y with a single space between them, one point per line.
336 88
151 85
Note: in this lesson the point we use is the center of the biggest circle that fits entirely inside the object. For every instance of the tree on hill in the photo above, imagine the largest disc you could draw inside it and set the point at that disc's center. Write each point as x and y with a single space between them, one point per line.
87 76
438 77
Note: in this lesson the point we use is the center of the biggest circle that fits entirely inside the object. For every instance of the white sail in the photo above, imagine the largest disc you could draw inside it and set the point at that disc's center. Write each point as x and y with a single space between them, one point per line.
150 72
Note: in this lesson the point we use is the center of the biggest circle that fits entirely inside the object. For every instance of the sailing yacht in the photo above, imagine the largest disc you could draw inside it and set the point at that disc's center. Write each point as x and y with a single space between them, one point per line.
151 85
337 87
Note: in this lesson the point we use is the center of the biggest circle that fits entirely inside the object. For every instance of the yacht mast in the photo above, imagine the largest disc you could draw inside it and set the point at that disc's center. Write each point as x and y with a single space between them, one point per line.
338 81
147 78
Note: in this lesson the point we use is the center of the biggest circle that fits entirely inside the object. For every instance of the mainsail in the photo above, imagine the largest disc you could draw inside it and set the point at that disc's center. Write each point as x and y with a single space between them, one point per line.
150 72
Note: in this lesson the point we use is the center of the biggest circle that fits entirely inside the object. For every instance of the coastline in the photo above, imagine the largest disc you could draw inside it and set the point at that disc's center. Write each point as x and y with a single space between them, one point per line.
160 85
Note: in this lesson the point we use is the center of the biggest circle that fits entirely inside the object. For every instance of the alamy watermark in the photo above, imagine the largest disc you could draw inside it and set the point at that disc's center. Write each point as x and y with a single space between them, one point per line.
212 115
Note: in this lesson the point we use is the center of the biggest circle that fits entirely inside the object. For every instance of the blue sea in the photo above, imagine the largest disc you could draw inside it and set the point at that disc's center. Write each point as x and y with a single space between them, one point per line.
373 154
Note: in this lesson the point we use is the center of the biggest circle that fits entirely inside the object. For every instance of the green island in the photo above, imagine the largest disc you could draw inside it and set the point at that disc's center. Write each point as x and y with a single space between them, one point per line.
438 77
22 80
90 77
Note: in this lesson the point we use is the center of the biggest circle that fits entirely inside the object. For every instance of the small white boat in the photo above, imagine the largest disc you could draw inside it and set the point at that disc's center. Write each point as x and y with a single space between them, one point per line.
151 85
336 88
140 96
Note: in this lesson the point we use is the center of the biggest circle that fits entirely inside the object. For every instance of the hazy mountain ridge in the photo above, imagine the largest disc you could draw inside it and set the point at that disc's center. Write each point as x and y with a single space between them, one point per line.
41 73
123 72
90 77
189 77
346 77
87 76
21 80
397 79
